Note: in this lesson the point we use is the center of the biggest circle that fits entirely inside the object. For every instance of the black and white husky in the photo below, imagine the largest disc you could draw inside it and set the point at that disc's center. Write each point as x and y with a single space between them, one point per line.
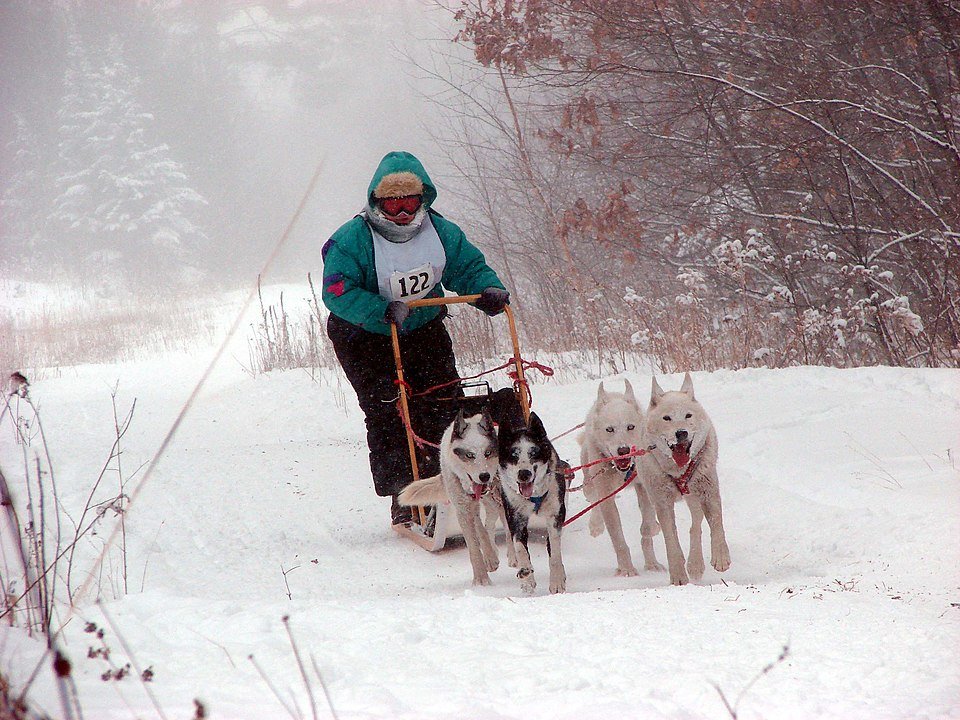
468 479
533 487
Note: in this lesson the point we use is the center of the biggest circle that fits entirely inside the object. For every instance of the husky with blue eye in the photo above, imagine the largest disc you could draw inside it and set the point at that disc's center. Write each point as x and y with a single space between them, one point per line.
533 487
468 479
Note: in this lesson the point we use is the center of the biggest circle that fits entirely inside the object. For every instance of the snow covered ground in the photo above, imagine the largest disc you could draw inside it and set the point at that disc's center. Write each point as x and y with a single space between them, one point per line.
842 508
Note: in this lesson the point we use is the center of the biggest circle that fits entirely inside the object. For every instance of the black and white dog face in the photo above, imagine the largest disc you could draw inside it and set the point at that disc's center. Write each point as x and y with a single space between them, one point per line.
473 452
532 487
527 459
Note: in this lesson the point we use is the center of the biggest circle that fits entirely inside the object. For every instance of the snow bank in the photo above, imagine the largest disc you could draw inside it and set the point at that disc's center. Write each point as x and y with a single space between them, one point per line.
841 501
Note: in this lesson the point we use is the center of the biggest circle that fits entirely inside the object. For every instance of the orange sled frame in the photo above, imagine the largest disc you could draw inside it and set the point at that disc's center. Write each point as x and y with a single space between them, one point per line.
415 531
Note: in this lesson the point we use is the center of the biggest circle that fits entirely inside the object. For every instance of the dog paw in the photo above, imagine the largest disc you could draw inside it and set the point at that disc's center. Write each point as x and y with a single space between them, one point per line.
629 571
695 567
679 577
527 582
481 579
558 586
721 560
492 564
653 566
512 562
596 524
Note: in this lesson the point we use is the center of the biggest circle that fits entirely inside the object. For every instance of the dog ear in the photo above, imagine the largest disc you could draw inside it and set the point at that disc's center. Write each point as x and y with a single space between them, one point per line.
536 426
459 424
656 392
687 386
486 421
628 394
601 394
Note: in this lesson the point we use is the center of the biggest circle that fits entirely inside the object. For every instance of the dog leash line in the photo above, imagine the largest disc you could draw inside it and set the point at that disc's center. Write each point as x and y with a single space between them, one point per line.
631 475
567 432
633 453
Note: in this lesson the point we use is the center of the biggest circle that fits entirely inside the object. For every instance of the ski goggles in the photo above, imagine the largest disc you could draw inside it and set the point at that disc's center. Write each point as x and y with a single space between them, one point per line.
395 205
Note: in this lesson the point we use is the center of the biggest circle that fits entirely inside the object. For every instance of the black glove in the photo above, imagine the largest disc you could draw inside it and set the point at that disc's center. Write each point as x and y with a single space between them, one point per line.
492 300
397 312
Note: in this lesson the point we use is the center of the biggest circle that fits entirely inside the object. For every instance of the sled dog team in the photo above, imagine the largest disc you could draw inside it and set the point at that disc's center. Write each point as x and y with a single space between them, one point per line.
515 474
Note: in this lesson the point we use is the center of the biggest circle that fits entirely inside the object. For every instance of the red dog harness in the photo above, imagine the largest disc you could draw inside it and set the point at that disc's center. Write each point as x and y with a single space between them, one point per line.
683 481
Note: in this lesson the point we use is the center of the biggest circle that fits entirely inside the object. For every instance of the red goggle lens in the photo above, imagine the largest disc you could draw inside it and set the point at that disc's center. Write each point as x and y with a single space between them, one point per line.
395 205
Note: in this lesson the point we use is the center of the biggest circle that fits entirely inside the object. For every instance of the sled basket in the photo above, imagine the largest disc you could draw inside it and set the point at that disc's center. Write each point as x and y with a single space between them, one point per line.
477 397
432 525
471 397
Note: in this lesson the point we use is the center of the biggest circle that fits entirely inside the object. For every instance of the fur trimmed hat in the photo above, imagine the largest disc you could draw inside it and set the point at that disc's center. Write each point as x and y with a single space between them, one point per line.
398 184
400 174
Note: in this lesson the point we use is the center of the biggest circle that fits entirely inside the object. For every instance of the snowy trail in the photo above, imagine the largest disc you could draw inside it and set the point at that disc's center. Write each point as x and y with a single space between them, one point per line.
840 501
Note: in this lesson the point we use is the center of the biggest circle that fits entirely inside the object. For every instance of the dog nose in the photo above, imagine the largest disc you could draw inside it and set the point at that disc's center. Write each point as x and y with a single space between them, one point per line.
681 435
484 477
524 475
623 450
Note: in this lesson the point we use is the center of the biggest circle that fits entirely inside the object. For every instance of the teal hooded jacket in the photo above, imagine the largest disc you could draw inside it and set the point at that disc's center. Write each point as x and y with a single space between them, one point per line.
350 289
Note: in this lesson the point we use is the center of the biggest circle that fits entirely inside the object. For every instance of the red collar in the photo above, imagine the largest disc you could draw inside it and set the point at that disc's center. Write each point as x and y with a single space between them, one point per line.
682 482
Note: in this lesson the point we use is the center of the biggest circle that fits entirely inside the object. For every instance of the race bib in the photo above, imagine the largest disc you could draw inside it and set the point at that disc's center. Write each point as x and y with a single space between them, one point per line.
413 284
411 270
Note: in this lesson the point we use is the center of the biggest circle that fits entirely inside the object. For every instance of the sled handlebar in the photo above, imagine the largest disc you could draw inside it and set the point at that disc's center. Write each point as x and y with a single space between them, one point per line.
453 300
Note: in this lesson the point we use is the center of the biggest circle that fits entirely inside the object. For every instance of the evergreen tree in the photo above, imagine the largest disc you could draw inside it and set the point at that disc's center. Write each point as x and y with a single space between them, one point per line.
22 204
125 210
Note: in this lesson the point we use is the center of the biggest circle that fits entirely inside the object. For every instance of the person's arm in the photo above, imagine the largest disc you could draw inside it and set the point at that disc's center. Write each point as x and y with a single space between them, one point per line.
343 290
466 272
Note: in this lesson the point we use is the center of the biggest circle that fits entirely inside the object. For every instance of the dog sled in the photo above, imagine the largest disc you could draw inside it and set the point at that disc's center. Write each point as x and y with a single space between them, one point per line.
432 526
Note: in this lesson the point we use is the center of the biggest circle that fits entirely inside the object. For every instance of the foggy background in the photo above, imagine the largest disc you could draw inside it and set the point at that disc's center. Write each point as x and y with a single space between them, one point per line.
705 185
181 136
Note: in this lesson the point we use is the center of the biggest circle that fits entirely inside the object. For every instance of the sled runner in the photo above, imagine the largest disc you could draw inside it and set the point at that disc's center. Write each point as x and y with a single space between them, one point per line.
433 525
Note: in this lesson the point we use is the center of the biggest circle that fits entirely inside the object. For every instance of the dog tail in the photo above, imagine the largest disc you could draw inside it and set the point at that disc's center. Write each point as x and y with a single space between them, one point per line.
428 491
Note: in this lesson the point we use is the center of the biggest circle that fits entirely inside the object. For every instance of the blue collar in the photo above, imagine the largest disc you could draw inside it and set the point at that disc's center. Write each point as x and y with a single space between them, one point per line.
537 502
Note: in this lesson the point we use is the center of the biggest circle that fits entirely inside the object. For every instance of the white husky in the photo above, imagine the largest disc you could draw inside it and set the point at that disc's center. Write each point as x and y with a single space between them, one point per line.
683 466
614 426
468 478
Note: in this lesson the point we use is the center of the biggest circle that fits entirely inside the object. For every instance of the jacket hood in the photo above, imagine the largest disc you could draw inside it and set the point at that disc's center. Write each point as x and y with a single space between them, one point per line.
395 164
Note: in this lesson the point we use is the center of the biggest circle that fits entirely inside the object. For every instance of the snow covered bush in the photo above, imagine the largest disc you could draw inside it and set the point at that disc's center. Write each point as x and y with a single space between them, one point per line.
819 202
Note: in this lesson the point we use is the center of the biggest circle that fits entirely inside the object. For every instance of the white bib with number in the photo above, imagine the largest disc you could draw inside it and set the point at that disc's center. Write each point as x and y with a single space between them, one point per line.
409 270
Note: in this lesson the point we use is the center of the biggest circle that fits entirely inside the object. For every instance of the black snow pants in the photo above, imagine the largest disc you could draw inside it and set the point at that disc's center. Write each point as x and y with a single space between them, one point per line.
428 360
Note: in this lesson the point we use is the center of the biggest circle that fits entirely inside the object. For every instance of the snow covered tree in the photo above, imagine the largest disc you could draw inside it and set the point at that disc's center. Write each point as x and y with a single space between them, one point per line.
22 204
124 210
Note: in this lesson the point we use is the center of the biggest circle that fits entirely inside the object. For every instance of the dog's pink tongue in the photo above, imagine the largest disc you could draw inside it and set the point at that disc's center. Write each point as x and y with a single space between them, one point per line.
478 489
681 455
526 489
